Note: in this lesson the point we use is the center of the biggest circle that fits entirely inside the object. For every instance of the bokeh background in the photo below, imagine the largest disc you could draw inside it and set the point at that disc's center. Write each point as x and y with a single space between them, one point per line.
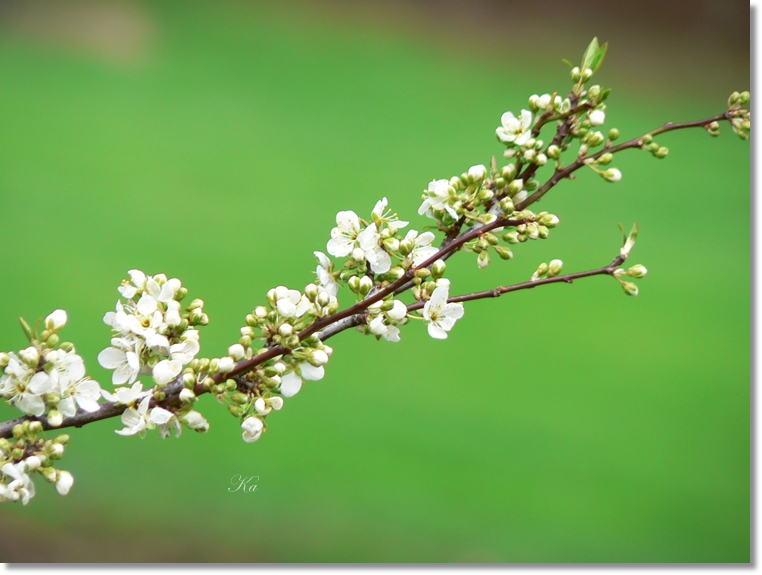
215 141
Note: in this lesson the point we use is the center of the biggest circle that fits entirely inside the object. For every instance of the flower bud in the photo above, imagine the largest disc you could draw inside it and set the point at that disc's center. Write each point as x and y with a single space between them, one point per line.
637 271
612 175
613 134
33 462
587 73
365 284
483 260
542 269
554 151
55 419
30 356
533 102
226 364
285 329
276 403
596 117
515 186
56 451
504 253
541 159
661 152
358 255
187 396
236 351
576 74
311 291
605 159
354 284
391 244
477 173
438 269
630 288
64 482
55 320
196 304
260 407
554 268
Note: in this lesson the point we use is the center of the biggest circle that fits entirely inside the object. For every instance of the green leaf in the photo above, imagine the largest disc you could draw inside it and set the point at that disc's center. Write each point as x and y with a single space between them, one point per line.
590 54
27 329
598 58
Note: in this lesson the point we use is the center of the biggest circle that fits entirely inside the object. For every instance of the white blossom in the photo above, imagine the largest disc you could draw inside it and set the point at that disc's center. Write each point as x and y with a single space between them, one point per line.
422 248
438 194
166 421
167 370
324 274
134 420
345 233
290 302
440 315
379 260
379 210
398 311
515 131
252 429
64 482
21 486
196 421
290 384
124 361
388 332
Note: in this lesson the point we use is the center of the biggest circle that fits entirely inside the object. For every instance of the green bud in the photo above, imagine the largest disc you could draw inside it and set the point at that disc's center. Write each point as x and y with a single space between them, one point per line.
511 237
485 194
53 339
365 285
554 151
661 152
235 410
504 253
508 172
506 204
438 269
492 239
35 427
230 385
554 268
576 74
605 159
613 134
392 244
406 246
354 284
647 139
515 187
63 439
17 453
292 342
637 271
4 359
594 92
67 346
18 431
542 269
422 273
630 288
547 220
542 232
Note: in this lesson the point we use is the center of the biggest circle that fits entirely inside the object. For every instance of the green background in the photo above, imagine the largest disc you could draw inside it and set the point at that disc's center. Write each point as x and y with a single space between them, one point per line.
216 142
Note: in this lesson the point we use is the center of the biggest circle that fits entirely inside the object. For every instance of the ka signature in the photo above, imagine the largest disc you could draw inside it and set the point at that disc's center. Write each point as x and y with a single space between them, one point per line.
244 484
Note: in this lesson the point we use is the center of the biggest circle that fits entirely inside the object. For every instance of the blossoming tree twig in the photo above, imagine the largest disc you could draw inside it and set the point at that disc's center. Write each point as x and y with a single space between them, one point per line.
484 211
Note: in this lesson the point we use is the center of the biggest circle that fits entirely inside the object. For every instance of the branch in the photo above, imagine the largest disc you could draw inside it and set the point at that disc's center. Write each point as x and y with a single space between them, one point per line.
634 143
498 291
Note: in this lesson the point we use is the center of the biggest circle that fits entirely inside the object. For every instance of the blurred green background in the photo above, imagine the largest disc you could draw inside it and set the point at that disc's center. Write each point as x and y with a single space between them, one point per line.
215 142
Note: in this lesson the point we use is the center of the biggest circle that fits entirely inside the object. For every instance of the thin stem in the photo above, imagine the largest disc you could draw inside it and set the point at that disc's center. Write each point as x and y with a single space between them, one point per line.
498 291
634 143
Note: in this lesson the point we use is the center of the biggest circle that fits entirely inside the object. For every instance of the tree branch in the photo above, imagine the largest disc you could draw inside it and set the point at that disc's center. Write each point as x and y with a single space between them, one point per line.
498 291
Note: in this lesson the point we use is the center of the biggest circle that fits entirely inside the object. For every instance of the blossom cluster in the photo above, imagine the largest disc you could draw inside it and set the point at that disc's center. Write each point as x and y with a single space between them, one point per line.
28 454
47 378
153 335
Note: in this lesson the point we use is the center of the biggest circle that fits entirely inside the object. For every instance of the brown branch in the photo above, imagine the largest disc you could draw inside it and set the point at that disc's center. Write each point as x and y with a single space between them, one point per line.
498 291
634 143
